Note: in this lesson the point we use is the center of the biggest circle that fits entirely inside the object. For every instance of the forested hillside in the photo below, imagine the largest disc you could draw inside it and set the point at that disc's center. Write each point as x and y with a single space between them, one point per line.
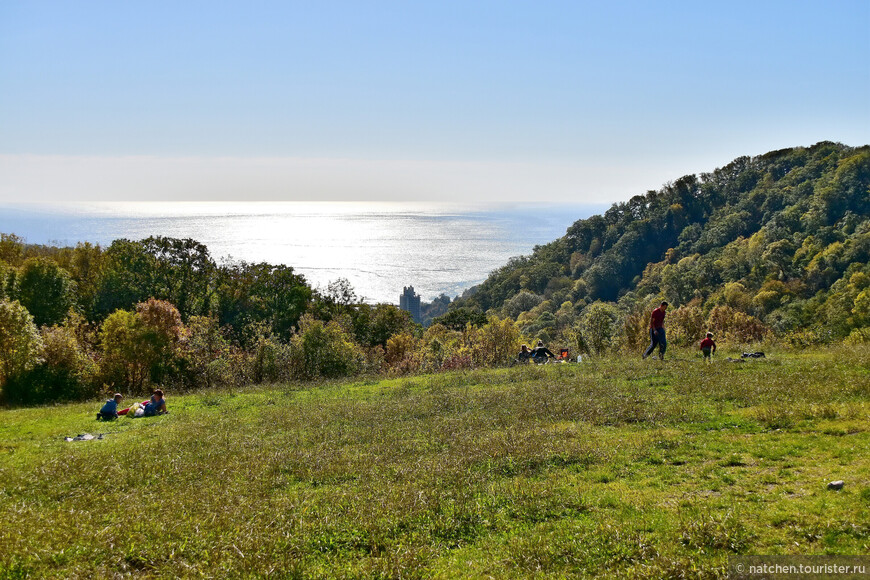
777 243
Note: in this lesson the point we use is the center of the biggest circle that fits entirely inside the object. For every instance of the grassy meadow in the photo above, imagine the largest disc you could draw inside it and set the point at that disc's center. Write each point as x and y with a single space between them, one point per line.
614 467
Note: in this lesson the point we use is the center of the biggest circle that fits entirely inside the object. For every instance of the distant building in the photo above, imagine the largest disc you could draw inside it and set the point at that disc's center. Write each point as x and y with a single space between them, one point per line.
409 301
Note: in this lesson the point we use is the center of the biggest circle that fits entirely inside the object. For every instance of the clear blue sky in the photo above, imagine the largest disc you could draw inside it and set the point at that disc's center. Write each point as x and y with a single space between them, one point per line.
489 100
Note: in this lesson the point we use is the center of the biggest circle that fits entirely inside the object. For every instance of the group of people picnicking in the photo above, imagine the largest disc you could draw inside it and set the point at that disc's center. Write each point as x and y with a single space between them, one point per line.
156 405
541 354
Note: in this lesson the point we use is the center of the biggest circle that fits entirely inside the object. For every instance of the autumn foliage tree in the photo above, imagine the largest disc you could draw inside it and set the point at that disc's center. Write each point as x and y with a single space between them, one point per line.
164 331
65 371
20 342
139 347
497 342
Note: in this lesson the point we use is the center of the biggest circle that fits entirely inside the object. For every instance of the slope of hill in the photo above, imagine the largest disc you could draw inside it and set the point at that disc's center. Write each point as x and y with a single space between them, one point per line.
609 468
783 237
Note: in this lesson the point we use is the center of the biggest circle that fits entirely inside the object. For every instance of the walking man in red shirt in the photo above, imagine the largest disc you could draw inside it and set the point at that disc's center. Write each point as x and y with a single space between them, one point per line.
657 331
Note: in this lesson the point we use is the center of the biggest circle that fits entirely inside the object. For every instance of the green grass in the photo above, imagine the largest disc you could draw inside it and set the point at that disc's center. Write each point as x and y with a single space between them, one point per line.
613 467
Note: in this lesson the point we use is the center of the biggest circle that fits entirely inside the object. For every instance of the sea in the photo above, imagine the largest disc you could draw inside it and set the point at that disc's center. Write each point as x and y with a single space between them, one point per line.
379 247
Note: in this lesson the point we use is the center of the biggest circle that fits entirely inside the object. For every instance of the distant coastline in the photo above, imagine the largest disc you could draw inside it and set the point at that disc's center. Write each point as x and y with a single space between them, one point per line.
378 246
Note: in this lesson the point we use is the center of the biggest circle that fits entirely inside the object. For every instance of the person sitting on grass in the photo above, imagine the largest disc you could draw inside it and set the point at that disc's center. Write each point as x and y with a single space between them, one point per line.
109 412
708 346
541 354
525 354
157 404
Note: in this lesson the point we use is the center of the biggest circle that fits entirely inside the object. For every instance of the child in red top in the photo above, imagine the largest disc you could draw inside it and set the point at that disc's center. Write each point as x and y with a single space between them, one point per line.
708 347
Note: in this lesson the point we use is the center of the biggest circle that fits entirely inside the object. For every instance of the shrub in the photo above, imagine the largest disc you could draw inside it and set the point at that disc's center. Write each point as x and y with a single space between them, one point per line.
440 344
497 342
572 338
597 324
403 353
20 343
735 326
323 350
635 323
66 372
127 355
264 355
375 359
803 338
207 354
457 362
858 336
686 325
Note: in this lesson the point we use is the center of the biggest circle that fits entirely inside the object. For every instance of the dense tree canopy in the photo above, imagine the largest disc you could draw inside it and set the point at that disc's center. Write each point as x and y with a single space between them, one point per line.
249 294
46 290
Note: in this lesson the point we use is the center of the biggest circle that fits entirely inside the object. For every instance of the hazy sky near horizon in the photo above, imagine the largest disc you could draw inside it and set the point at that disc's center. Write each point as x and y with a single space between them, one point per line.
450 100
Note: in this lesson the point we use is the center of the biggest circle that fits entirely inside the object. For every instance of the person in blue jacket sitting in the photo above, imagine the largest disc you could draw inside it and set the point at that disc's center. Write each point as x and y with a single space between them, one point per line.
109 411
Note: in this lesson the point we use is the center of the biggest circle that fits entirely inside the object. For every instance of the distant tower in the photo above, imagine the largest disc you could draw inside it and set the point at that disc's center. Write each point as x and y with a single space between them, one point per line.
410 302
